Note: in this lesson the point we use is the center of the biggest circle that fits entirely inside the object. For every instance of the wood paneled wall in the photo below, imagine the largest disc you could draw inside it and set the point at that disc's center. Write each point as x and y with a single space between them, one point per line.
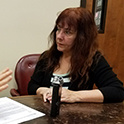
111 42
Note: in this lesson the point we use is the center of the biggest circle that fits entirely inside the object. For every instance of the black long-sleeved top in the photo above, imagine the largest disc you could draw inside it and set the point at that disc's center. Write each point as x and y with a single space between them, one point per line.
102 75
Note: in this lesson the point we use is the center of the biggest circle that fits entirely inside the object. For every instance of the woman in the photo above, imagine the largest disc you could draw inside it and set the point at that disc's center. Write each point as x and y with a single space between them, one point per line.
74 56
5 77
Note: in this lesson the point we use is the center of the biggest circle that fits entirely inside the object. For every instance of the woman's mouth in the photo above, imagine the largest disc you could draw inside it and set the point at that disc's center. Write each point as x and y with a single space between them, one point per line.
59 44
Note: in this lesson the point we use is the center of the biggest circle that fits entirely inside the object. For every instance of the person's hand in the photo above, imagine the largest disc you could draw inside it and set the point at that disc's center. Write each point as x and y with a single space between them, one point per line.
5 77
46 92
68 96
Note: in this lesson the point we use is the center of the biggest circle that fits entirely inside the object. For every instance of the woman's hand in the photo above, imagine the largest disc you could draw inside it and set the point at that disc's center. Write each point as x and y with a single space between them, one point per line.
68 96
46 92
5 77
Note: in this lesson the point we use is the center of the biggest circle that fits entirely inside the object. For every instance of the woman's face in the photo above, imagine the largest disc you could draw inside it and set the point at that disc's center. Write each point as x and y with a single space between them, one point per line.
65 37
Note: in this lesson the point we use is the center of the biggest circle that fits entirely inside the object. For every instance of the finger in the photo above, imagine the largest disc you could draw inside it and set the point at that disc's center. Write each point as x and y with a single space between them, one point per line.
45 96
50 99
62 99
65 100
5 74
48 95
51 90
3 71
6 80
3 87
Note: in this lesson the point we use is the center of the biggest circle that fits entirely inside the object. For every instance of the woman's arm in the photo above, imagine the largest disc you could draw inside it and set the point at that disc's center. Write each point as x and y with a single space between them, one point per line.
35 81
70 96
81 96
110 88
107 82
39 79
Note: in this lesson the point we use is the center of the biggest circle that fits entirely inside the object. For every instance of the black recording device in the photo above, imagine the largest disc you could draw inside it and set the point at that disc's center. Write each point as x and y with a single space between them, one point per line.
56 95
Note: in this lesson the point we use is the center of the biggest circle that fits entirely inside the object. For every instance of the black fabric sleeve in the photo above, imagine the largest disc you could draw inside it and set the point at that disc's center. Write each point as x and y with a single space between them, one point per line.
40 77
107 82
36 78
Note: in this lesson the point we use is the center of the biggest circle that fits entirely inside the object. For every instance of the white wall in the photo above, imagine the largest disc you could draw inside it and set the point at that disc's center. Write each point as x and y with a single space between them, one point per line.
24 29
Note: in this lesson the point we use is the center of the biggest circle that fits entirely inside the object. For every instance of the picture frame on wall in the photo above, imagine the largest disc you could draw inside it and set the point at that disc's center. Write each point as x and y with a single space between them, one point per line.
83 3
99 12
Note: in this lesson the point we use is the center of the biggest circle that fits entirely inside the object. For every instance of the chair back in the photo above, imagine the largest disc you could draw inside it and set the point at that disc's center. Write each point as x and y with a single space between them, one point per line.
24 70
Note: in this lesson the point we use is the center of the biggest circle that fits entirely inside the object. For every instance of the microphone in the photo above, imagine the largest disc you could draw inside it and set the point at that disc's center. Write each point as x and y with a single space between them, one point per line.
56 95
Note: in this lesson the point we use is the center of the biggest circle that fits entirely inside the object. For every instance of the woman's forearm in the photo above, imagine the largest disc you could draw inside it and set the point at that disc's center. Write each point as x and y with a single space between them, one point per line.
89 96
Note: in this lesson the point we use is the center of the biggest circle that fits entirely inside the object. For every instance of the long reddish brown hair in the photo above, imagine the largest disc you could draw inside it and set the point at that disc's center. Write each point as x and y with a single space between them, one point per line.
84 47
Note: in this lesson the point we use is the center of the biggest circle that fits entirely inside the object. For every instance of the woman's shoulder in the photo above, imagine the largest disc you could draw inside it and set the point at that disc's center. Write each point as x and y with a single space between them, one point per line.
99 60
43 55
42 58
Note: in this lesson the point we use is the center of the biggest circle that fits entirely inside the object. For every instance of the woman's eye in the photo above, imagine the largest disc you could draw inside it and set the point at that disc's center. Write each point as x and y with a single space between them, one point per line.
58 29
67 32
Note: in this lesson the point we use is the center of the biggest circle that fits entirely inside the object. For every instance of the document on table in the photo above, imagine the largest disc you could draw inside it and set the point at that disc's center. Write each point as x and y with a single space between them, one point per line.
13 112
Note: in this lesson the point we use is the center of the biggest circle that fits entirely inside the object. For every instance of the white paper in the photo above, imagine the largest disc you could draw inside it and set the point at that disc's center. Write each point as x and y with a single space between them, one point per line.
13 112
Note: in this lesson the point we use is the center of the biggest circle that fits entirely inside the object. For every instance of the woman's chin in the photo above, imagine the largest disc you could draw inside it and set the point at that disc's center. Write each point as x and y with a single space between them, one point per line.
60 49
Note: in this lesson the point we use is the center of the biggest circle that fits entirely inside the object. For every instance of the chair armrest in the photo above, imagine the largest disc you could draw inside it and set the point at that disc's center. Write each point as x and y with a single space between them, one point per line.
14 92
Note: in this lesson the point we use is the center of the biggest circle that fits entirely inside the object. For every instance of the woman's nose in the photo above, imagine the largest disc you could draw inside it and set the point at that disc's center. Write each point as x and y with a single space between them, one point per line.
60 35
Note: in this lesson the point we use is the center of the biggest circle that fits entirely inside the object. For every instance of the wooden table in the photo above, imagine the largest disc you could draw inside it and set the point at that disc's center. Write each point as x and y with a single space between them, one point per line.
77 113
